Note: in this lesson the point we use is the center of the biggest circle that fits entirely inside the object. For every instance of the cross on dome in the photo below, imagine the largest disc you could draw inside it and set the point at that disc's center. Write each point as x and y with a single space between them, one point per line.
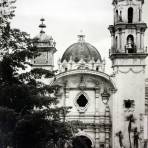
81 36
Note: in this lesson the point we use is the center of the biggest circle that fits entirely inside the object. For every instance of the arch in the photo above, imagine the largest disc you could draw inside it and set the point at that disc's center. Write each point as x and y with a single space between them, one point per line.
87 136
139 15
131 44
130 36
85 71
120 16
116 42
130 15
117 15
97 68
81 142
66 69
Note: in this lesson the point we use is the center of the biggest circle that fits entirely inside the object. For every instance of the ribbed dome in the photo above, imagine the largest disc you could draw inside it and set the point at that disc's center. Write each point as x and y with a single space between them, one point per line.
81 50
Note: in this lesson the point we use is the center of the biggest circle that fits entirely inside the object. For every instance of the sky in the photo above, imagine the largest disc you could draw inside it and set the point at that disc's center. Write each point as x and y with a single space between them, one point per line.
66 18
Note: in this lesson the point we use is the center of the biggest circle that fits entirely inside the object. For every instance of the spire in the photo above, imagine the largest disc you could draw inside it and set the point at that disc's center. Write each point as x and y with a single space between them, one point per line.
81 36
42 25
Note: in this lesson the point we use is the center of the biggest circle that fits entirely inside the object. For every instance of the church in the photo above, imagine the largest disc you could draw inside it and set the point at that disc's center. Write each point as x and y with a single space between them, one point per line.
112 108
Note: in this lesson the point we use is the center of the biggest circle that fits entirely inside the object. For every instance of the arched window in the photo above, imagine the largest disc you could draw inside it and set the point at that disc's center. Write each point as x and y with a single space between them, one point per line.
130 15
139 15
120 16
117 16
116 43
130 39
66 69
131 44
81 142
97 68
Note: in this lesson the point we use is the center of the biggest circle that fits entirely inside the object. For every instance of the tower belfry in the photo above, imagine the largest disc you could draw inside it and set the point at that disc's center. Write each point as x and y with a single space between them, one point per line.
128 29
45 46
128 56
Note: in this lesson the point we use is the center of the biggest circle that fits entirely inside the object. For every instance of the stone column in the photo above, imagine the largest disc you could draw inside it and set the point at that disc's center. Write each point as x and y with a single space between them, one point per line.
66 96
107 127
123 41
120 41
102 129
138 42
142 41
97 115
112 44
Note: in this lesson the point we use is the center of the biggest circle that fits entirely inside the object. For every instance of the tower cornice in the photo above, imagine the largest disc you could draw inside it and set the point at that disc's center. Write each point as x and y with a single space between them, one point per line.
128 56
121 25
116 1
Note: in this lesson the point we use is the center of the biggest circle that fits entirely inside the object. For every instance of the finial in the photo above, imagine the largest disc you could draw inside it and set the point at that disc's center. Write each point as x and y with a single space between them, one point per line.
81 36
42 25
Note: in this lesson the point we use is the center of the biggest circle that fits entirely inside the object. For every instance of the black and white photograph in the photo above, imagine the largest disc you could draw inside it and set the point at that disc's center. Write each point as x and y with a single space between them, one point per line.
73 74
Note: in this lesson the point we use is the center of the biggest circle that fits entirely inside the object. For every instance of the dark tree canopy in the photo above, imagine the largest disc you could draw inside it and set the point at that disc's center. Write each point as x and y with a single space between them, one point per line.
29 116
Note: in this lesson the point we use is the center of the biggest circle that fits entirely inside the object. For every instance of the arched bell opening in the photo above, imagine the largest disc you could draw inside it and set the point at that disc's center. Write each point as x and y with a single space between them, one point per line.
117 16
130 44
116 42
130 15
81 142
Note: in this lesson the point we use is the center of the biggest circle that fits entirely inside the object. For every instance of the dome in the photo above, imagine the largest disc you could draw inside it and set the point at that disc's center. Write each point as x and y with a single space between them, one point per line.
42 37
81 50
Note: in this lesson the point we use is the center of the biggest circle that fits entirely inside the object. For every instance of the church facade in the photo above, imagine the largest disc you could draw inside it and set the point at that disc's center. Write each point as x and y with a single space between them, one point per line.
112 108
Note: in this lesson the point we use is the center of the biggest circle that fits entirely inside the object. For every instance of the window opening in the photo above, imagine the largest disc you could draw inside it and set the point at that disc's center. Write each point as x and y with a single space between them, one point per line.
130 44
82 101
97 68
128 104
130 15
117 16
116 44
66 69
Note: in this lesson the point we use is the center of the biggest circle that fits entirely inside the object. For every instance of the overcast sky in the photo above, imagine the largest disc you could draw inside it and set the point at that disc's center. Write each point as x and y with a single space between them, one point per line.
65 19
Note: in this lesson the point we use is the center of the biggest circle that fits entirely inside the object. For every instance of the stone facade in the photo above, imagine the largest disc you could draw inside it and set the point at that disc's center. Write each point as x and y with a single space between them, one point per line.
111 107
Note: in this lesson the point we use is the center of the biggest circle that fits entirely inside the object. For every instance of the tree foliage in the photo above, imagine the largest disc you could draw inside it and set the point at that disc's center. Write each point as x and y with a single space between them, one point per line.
29 116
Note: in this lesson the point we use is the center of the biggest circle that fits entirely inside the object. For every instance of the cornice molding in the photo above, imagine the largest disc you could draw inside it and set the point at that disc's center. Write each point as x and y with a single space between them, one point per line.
83 72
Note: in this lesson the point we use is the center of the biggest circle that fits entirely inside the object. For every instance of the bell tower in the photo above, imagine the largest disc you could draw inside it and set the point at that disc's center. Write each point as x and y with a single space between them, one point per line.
128 56
45 47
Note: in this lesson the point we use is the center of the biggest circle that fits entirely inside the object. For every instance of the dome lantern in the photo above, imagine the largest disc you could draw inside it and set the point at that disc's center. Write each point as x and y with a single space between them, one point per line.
81 36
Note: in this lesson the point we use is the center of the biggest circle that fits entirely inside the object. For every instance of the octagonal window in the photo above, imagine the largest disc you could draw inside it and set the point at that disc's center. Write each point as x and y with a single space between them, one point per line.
82 101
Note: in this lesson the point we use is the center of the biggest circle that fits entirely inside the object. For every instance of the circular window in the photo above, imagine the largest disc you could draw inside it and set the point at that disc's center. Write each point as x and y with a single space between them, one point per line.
82 101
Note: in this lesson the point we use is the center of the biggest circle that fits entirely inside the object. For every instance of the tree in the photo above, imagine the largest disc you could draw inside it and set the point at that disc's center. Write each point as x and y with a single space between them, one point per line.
131 120
120 136
29 116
